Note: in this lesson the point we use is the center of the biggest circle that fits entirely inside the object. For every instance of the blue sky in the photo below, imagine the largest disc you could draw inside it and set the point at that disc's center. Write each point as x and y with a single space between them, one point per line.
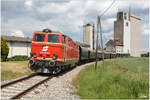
23 17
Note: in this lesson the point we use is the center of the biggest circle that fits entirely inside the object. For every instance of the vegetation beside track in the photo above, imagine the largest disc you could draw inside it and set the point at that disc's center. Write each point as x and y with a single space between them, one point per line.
122 78
14 69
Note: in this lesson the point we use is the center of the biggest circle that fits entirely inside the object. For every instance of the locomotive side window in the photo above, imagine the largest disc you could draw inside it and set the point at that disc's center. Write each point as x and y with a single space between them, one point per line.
53 38
39 37
63 39
69 42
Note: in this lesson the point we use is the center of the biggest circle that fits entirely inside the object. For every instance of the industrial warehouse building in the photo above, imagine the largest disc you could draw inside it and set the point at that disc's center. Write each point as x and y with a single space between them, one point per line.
88 35
18 45
127 28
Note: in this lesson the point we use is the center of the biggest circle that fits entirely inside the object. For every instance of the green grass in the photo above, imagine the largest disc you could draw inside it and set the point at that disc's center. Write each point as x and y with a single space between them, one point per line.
135 64
14 69
9 75
124 78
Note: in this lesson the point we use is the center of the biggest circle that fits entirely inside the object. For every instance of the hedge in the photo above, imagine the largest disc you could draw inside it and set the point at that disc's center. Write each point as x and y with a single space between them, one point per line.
18 58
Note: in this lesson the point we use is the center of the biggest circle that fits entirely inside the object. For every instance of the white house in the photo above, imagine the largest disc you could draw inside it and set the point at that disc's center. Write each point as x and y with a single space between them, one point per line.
18 45
114 46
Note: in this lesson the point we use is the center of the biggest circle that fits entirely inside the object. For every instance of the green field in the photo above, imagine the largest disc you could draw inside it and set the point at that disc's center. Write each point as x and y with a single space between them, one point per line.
14 69
121 78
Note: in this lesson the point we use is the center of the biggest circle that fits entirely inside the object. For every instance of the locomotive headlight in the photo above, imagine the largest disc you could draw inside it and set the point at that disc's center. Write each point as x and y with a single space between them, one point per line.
34 55
55 56
31 62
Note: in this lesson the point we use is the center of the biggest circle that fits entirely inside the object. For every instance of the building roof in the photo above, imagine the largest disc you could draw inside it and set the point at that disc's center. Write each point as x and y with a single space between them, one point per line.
17 39
115 42
83 44
87 25
131 15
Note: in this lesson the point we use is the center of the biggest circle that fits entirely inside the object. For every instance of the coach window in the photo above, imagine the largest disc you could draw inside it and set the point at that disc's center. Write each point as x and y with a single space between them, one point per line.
39 37
53 38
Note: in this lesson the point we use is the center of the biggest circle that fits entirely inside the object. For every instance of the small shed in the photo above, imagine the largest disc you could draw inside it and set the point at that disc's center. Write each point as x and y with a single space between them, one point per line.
18 45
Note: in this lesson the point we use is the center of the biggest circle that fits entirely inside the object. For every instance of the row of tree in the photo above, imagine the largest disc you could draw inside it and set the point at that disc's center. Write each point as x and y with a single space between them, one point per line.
145 54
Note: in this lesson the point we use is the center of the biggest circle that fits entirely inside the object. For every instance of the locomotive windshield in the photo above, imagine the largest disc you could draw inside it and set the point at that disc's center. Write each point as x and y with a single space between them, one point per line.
53 38
39 37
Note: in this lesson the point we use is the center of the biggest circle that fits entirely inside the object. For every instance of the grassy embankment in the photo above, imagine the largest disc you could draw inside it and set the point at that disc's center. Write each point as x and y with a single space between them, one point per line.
14 69
121 78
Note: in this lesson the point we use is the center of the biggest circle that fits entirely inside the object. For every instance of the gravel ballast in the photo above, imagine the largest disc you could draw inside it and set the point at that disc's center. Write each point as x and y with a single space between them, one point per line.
58 88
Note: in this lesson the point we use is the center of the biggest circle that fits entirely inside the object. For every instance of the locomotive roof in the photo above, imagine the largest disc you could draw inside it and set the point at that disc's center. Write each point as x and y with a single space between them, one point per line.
56 32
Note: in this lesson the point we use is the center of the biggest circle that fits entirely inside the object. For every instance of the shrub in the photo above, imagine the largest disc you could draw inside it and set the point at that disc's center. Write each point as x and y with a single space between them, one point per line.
145 54
4 49
18 58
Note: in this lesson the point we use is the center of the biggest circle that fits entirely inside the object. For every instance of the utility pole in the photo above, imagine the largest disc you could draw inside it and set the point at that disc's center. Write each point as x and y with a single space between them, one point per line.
93 36
101 43
98 24
99 29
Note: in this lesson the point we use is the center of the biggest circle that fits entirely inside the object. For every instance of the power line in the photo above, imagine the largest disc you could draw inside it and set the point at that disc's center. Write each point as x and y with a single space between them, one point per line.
108 8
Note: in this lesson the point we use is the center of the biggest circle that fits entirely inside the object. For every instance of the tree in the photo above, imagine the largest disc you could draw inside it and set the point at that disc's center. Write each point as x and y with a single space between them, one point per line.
4 49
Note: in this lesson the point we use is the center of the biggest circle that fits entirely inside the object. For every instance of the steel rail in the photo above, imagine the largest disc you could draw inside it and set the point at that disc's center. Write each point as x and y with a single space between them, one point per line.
18 96
17 80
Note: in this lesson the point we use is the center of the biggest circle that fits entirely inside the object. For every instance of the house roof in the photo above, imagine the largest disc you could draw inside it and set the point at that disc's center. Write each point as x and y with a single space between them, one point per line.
115 42
17 39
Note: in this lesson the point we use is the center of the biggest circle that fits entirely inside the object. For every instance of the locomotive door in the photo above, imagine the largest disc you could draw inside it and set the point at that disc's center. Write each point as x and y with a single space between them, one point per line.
64 47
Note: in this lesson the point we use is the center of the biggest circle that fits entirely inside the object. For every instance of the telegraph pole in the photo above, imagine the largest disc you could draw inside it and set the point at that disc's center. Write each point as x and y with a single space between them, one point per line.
98 24
99 29
101 43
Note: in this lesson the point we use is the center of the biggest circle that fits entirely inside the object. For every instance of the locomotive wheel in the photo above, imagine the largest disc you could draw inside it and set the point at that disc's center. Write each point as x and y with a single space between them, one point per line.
69 66
57 70
63 68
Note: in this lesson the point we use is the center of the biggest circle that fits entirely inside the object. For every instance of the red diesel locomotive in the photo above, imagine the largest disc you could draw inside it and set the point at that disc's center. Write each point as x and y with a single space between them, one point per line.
52 51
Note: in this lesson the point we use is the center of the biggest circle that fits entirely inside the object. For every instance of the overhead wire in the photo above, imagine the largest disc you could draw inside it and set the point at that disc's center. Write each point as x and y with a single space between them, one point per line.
108 8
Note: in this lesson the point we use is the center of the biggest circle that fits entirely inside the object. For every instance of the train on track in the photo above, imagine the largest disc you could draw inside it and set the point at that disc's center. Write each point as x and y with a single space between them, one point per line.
52 52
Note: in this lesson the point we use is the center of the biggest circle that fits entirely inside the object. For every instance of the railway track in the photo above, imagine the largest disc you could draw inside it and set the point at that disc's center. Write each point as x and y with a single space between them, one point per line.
18 88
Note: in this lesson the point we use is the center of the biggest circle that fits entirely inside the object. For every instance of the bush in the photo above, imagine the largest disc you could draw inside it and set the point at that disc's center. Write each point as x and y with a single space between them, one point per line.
18 58
145 54
4 49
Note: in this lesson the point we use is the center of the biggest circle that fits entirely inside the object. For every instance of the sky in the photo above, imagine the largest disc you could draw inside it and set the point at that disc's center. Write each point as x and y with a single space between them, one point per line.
23 17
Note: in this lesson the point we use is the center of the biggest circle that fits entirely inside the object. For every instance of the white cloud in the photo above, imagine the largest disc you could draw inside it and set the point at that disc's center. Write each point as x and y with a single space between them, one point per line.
108 35
134 3
17 33
28 3
108 24
69 16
